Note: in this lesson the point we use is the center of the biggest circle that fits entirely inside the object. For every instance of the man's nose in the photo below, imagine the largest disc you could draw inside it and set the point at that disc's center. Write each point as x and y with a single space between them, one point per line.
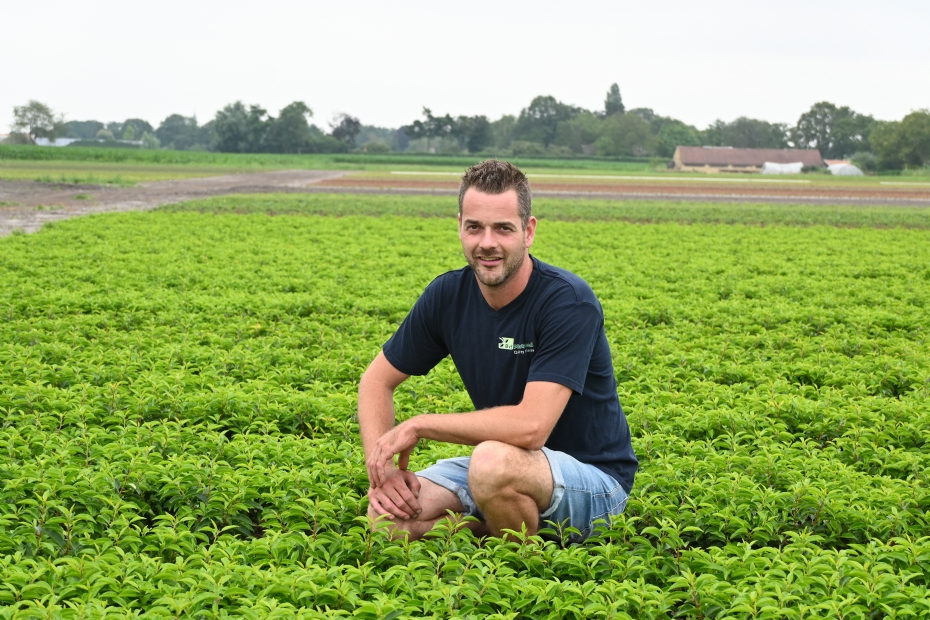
488 239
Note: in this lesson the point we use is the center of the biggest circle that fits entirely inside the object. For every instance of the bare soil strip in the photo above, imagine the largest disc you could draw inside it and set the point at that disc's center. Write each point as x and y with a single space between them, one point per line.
27 205
848 200
865 196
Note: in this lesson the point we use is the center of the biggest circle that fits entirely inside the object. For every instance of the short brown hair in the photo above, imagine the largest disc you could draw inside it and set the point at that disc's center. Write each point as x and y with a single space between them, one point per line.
493 176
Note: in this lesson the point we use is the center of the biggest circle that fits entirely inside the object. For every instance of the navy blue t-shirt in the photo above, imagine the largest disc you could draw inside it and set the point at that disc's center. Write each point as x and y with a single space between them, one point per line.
553 331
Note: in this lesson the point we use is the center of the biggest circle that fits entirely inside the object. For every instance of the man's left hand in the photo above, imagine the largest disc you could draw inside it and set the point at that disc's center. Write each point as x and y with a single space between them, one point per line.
399 440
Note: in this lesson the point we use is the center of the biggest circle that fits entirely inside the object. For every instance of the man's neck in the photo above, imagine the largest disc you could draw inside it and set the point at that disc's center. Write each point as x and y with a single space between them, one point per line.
499 296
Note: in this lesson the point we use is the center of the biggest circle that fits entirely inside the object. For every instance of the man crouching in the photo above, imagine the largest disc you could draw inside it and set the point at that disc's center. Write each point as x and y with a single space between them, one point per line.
552 443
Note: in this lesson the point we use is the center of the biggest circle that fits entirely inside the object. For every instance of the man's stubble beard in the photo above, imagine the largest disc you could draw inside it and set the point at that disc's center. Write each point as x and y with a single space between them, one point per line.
511 266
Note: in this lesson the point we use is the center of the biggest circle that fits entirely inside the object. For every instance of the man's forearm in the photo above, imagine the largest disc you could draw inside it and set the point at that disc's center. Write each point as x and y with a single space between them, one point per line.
375 411
511 425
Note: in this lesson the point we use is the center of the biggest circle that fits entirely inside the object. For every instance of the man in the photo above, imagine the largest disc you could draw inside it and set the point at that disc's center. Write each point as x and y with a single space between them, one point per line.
551 441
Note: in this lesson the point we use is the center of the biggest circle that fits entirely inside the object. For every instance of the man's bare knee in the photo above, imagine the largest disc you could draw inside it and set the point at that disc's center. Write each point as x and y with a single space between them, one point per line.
498 468
491 466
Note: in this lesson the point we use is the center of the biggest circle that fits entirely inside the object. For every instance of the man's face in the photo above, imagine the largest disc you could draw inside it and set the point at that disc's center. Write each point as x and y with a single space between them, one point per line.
493 238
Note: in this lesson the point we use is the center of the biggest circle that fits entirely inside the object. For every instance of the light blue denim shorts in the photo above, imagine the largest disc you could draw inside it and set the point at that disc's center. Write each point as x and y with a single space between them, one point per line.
582 493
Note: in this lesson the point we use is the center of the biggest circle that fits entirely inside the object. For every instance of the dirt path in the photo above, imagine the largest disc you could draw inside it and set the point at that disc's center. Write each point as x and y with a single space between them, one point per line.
27 205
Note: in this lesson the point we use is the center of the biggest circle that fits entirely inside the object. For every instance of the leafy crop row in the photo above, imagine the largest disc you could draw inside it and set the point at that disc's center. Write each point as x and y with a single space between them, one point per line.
338 161
178 438
637 211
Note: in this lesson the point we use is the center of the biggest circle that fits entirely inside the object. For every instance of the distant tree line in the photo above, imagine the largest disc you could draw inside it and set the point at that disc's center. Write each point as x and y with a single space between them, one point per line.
549 127
546 127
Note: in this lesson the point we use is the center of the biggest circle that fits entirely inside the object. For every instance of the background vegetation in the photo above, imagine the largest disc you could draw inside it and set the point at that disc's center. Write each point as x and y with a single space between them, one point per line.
545 128
178 434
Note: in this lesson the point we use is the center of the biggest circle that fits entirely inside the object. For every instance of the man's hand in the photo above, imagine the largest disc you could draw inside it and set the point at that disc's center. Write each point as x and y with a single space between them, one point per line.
399 440
397 497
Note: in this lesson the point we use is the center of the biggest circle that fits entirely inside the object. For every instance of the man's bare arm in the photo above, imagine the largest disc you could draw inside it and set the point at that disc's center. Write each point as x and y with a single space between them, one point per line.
376 399
396 492
526 425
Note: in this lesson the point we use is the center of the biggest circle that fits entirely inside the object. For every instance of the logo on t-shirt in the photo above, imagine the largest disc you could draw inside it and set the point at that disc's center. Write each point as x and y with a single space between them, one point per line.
508 345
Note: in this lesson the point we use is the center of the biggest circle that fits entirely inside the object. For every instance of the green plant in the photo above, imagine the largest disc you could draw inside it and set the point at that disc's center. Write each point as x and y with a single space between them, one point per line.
177 432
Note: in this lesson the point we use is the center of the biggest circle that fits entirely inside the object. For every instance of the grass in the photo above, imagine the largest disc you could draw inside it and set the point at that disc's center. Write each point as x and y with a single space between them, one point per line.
638 211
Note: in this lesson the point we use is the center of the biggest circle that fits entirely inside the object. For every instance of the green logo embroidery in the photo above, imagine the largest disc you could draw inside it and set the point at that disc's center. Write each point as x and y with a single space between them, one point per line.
507 344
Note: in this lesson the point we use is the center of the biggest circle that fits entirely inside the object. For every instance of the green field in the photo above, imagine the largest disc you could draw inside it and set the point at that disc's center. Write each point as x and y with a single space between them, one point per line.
634 211
129 166
178 392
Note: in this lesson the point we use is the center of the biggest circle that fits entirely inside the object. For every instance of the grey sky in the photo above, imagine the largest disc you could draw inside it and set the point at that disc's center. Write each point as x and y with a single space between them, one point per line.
694 60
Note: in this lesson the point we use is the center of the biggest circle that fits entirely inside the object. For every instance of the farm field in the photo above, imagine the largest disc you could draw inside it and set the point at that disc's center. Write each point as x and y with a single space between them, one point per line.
101 173
638 211
667 184
129 166
178 392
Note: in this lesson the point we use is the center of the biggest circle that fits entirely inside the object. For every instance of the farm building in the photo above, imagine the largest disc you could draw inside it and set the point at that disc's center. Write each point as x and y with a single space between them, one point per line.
729 159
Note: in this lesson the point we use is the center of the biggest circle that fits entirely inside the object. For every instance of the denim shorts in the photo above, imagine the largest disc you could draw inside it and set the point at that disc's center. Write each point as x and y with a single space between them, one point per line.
582 493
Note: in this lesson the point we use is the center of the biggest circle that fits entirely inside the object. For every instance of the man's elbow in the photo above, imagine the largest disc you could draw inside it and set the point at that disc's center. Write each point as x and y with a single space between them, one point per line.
534 437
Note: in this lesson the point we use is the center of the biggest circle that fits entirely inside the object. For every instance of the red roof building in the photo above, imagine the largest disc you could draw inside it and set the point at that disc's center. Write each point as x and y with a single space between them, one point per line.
729 159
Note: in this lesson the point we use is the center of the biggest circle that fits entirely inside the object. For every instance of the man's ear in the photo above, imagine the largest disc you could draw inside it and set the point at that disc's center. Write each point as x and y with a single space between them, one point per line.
530 231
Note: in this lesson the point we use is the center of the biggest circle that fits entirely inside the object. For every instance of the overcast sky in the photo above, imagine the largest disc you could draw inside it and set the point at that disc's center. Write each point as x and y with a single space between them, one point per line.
383 61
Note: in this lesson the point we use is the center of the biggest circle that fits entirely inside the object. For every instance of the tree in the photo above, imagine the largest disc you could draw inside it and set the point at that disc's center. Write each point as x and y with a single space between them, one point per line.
584 129
902 143
177 132
674 133
290 132
626 135
430 127
915 138
231 128
502 131
138 126
473 133
647 114
105 134
539 121
346 128
613 104
746 133
83 130
240 130
37 120
836 131
439 126
206 136
149 141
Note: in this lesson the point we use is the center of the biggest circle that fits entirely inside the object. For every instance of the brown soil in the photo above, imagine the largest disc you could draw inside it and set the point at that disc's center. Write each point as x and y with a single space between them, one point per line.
683 191
27 205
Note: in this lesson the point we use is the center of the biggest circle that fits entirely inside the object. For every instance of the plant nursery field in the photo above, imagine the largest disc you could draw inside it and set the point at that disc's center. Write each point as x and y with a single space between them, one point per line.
178 433
129 166
115 166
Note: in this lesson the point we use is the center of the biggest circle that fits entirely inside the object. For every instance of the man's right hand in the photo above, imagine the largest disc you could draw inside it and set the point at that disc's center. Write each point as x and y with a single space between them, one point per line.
397 495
